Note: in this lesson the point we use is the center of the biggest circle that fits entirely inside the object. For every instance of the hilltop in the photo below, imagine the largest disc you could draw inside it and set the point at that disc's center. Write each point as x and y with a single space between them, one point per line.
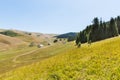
100 60
7 41
10 38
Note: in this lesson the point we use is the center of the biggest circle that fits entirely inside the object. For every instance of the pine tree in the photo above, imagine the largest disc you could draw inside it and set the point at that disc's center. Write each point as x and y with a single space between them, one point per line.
99 30
112 28
118 24
95 30
78 38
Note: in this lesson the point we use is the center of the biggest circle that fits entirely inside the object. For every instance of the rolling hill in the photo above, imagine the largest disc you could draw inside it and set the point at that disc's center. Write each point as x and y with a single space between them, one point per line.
6 41
98 61
35 37
14 37
16 52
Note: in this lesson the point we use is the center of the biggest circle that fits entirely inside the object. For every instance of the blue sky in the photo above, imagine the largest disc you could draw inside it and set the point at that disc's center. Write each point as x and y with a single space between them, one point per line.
54 16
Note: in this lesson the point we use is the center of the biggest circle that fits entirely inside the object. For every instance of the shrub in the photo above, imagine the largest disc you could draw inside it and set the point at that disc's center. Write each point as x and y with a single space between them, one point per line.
31 44
55 41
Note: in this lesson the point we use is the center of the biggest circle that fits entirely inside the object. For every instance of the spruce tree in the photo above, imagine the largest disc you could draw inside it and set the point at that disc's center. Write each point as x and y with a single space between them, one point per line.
118 24
112 28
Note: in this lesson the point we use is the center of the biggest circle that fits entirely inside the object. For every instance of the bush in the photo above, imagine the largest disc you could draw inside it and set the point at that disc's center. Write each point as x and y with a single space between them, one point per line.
31 44
55 41
60 39
29 33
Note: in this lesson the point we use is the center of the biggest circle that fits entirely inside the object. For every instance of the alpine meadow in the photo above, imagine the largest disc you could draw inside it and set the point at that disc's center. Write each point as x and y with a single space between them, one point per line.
59 40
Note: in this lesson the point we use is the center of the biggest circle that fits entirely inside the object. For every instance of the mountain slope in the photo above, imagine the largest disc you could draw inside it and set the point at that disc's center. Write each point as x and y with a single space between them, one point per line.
28 37
71 36
35 37
67 35
6 41
98 61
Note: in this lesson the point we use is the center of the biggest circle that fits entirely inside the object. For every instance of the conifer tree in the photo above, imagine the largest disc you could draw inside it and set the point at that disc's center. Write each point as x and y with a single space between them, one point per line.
99 30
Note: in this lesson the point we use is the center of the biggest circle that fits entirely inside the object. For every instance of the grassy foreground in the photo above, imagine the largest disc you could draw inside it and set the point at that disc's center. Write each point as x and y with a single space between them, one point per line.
23 55
98 61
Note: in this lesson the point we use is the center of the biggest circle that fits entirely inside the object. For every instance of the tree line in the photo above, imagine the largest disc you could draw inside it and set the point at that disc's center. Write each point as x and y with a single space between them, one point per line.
10 33
99 30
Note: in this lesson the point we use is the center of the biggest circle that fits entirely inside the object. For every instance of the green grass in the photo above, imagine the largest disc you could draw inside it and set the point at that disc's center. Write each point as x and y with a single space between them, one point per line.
98 61
7 57
44 53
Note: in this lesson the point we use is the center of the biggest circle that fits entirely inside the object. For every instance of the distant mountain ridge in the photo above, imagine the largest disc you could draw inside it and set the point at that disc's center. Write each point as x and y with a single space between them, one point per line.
71 36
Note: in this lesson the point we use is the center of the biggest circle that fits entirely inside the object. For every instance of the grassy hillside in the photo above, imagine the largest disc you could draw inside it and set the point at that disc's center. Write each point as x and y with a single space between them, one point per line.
28 37
8 42
35 37
23 55
98 61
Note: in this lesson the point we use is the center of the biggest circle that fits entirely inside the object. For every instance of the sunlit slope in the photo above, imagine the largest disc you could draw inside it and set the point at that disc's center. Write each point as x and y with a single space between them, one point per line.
6 41
28 37
98 61
35 37
24 55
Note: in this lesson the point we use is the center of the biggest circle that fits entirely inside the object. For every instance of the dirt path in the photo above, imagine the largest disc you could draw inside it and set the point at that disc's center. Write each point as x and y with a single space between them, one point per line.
16 57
